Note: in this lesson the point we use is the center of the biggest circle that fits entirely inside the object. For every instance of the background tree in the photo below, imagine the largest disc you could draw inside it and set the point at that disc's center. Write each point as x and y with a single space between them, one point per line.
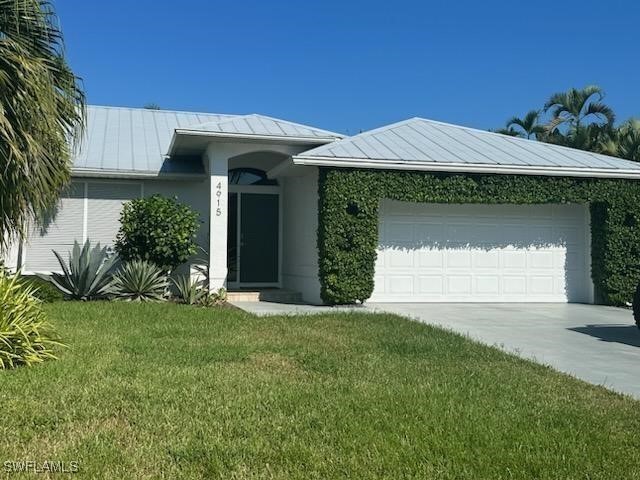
623 141
41 113
527 127
578 118
578 107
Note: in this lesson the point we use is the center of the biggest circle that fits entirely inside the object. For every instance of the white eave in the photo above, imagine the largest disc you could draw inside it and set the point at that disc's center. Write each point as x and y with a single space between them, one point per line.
251 137
464 167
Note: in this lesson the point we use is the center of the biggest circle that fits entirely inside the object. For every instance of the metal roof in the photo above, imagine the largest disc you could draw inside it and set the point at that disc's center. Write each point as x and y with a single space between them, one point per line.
261 125
133 139
137 140
420 144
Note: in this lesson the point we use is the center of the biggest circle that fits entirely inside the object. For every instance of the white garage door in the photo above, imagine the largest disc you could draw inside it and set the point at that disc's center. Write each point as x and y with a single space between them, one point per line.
482 253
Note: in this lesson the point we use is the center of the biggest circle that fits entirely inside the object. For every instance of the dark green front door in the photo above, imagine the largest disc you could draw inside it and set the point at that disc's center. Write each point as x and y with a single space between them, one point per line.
258 239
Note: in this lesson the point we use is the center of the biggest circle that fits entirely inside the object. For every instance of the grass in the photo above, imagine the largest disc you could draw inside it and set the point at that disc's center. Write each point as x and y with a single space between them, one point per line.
170 391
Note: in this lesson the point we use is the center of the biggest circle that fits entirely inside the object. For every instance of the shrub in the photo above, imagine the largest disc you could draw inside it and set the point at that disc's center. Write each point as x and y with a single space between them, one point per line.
189 291
141 281
88 274
43 289
159 230
215 298
26 337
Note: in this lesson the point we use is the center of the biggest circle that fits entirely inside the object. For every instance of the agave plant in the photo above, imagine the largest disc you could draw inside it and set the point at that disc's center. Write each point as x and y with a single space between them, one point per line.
88 274
140 280
189 291
26 337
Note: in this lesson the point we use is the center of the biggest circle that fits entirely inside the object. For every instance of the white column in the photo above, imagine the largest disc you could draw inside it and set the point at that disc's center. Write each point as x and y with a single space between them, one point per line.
219 195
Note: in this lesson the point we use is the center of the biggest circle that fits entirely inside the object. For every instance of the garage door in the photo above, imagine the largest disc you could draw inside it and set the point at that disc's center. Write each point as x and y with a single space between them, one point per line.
482 253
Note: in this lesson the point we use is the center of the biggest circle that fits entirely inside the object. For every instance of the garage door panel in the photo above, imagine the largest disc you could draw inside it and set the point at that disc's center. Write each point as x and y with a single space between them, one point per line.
540 259
398 232
428 233
516 259
431 284
400 284
486 259
514 285
401 257
459 284
482 253
458 257
487 285
431 258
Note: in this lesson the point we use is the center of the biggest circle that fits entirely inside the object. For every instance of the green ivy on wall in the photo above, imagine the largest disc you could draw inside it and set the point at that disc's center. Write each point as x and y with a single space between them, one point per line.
348 221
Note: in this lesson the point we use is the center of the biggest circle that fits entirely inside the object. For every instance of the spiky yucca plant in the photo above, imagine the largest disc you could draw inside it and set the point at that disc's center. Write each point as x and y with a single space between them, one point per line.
140 280
189 291
88 274
26 337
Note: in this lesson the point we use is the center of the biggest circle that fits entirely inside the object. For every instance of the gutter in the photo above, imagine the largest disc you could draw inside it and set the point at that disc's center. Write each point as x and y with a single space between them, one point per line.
465 167
132 174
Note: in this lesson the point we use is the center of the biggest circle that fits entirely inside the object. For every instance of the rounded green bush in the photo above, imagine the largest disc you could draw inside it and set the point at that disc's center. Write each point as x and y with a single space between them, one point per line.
26 337
159 230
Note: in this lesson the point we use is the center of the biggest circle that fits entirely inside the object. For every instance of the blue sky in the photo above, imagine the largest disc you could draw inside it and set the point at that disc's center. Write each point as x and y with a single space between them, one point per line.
354 65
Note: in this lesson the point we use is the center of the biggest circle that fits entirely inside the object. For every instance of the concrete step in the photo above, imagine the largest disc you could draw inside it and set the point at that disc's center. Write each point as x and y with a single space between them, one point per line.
275 295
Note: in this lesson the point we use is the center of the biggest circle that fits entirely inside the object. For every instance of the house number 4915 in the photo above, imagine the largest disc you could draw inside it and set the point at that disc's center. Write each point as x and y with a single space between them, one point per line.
218 198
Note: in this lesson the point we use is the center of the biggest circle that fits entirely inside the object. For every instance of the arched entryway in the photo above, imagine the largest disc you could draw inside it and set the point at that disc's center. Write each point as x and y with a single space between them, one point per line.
254 229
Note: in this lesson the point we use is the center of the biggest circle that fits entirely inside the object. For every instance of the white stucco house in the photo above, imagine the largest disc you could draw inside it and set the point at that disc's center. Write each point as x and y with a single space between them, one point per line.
254 181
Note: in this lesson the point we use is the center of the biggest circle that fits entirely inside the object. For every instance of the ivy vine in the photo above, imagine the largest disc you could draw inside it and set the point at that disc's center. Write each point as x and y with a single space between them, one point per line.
348 221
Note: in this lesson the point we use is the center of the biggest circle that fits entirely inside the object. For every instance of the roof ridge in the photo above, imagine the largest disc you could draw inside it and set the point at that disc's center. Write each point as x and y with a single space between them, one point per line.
216 122
117 107
364 134
288 122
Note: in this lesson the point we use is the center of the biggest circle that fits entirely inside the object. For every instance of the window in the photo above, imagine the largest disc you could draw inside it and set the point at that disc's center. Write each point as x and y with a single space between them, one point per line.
249 176
87 210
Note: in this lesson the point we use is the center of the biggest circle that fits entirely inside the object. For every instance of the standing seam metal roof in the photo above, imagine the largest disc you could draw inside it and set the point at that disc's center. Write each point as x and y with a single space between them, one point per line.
137 140
421 141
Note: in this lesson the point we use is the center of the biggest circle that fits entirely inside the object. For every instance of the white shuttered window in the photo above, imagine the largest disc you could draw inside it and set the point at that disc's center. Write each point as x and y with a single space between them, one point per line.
105 202
88 210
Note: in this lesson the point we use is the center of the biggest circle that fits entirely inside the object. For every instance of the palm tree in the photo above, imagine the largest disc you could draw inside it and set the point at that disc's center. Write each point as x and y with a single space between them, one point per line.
506 131
41 114
577 107
623 142
527 127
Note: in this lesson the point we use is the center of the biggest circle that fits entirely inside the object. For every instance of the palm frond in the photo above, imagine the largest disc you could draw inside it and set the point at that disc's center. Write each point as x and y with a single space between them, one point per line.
42 111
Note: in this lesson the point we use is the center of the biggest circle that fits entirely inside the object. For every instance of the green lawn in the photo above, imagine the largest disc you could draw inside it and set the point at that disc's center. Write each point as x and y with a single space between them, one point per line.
150 391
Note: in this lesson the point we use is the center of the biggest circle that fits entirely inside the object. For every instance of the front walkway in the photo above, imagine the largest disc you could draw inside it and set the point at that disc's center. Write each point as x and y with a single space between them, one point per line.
262 308
600 345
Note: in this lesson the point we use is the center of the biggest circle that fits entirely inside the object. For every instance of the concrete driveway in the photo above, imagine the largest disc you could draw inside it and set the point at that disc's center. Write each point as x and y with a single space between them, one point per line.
600 345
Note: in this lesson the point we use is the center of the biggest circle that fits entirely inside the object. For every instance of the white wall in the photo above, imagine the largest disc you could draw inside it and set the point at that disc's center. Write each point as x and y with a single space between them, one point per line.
300 253
10 256
92 210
